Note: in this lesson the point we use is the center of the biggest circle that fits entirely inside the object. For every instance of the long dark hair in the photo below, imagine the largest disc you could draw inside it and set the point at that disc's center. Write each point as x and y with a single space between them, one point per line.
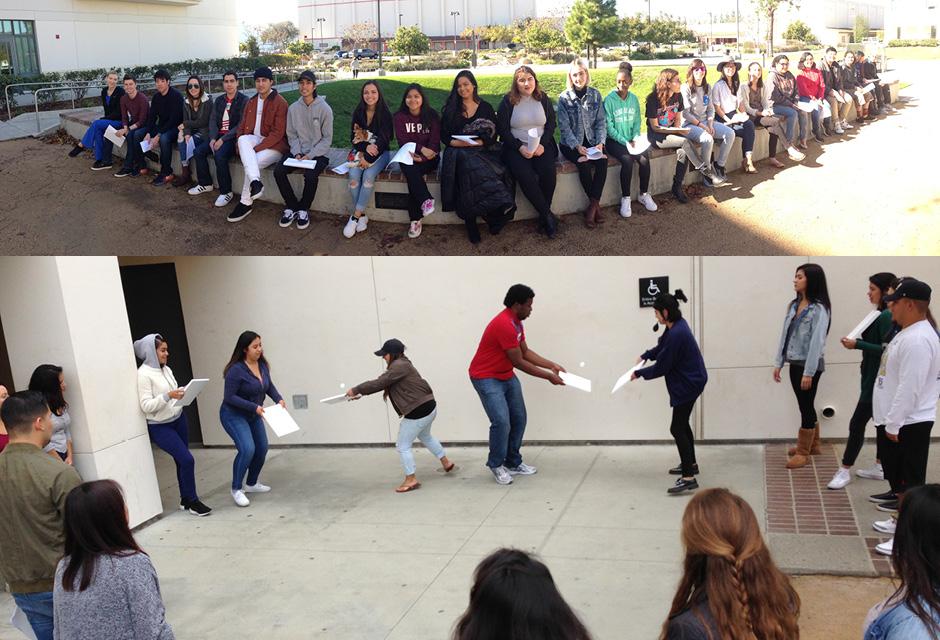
735 79
45 379
760 78
513 595
816 289
668 305
381 116
238 354
95 525
454 101
194 104
427 114
916 555
690 78
882 280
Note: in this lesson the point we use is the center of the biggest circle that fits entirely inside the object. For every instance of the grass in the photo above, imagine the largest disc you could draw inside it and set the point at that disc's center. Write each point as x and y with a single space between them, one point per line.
913 53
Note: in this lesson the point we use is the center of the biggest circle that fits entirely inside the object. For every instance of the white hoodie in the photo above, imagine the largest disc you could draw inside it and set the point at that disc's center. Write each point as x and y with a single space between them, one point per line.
154 384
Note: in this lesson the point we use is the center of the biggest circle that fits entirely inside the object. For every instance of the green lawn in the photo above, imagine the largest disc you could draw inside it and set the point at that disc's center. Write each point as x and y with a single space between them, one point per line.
913 53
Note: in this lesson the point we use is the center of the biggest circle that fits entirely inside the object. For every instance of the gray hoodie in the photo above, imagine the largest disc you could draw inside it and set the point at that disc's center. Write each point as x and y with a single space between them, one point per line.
310 128
146 349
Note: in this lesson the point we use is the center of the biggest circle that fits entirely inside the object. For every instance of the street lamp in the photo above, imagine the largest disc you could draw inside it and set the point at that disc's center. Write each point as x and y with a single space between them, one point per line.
737 19
378 21
711 23
321 21
454 14
399 19
649 10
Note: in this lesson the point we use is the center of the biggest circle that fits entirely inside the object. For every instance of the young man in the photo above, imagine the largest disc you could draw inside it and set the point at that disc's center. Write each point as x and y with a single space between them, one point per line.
134 113
32 533
309 133
869 73
502 349
166 115
904 399
262 139
839 108
223 130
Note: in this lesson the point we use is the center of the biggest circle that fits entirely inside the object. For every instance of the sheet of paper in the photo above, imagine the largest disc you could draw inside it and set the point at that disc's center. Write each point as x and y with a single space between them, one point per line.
468 139
145 145
335 399
190 147
279 420
639 145
839 96
533 143
111 134
404 154
739 116
301 164
20 622
868 87
856 333
192 390
826 110
808 107
577 382
340 169
674 129
625 378
593 153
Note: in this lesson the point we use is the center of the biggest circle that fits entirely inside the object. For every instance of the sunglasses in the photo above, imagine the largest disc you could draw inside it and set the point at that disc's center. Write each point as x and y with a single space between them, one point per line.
698 68
193 86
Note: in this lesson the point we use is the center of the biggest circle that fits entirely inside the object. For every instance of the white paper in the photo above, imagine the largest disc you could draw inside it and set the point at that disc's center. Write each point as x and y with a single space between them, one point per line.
145 145
739 116
639 145
673 129
533 140
404 154
111 134
192 390
577 382
868 87
625 378
855 333
808 107
21 623
475 140
839 96
279 420
340 169
593 153
335 399
826 109
191 147
301 164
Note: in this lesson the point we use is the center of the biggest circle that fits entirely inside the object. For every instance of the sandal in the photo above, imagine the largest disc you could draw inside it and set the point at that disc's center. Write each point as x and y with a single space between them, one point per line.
405 488
453 465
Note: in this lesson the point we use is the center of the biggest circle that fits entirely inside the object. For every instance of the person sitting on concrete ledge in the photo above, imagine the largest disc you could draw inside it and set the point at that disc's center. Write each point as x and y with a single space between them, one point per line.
227 113
197 111
756 103
163 121
839 101
784 97
370 134
134 113
851 84
699 117
94 137
415 121
728 104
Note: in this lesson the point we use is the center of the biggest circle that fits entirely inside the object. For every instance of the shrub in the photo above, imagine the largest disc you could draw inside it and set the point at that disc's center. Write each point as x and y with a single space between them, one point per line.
929 42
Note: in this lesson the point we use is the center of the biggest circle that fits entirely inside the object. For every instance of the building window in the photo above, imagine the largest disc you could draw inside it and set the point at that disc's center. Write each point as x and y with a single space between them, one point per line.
933 32
19 54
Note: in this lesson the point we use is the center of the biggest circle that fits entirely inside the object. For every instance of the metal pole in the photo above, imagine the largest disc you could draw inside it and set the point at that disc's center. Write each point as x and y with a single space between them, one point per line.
737 19
378 10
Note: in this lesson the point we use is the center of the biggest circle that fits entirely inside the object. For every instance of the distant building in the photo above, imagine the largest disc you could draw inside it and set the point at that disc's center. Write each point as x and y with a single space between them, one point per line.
912 19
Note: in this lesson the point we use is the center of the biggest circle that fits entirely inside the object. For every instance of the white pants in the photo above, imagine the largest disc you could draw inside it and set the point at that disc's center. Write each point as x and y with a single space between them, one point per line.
253 162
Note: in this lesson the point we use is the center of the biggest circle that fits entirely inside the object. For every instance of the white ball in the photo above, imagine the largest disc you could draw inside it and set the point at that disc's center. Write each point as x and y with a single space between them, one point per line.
582 364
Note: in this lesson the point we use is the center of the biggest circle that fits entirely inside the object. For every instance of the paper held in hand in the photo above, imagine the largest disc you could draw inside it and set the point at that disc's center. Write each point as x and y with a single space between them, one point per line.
191 391
340 169
303 164
739 116
335 399
577 382
111 134
533 143
279 420
625 378
638 145
145 145
474 140
808 107
593 153
868 87
856 333
404 154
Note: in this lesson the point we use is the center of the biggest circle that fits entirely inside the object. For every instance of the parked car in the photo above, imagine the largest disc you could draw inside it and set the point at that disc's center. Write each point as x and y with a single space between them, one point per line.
359 54
341 54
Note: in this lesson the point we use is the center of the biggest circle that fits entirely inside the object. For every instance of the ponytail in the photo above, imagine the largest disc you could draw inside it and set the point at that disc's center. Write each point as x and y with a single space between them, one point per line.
668 305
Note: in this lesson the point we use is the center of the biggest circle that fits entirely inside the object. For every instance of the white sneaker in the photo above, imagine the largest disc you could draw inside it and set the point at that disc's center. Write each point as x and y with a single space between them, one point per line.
350 229
846 125
839 129
240 498
875 473
885 526
257 488
885 548
363 223
647 201
625 211
224 199
522 470
200 189
415 230
795 154
840 479
427 207
502 475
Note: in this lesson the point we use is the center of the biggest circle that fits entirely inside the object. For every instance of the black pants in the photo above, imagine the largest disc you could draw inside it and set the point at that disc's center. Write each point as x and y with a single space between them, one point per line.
805 399
681 431
857 424
627 160
311 179
593 173
888 455
417 188
905 461
536 177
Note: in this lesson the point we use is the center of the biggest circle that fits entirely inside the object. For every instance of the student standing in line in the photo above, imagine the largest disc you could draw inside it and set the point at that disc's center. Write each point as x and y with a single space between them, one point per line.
94 137
413 401
757 105
415 121
49 380
810 86
134 113
784 96
501 351
4 434
197 112
371 134
839 100
802 343
728 104
677 357
309 134
699 117
106 585
227 112
163 121
247 382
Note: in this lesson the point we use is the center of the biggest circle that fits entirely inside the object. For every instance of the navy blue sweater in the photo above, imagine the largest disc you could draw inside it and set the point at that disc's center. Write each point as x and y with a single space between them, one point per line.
677 357
244 392
166 113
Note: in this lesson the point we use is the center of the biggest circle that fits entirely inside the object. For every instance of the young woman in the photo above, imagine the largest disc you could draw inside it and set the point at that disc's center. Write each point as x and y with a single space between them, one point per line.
699 116
802 343
94 137
157 392
370 136
4 436
247 382
784 96
413 401
730 586
105 586
514 591
583 127
757 105
622 111
677 357
872 344
851 85
527 107
197 113
417 122
838 100
664 105
50 382
728 104
811 88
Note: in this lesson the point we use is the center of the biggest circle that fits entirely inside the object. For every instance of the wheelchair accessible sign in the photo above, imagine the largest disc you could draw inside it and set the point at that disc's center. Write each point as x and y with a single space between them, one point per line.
652 287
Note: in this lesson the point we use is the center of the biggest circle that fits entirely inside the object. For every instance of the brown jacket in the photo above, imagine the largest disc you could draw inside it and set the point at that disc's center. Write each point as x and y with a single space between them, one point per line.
273 122
402 382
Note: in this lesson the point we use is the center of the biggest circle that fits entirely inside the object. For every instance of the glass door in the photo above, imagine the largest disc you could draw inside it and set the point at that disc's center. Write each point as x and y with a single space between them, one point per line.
6 55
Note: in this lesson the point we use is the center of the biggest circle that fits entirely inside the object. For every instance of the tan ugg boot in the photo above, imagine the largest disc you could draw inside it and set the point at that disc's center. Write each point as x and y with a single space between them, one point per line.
803 444
814 450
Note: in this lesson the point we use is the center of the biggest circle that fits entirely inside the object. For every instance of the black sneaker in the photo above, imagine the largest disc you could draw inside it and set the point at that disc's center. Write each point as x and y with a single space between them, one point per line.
75 151
887 496
197 508
287 219
887 507
303 220
677 470
161 180
101 165
123 173
683 485
239 213
256 190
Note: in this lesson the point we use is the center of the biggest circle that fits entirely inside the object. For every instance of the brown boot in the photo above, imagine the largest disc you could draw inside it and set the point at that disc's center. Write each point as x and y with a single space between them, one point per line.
183 179
589 213
598 216
803 443
814 449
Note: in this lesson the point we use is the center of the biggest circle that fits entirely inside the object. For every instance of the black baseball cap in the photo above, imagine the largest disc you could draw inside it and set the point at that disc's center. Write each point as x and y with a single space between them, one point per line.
264 72
911 289
392 346
307 75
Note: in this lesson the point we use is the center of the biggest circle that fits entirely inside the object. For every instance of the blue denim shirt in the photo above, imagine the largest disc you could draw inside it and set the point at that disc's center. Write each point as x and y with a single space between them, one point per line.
808 339
899 623
581 118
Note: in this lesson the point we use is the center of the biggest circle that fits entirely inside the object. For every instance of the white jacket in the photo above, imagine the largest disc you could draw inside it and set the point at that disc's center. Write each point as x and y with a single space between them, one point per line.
908 381
153 386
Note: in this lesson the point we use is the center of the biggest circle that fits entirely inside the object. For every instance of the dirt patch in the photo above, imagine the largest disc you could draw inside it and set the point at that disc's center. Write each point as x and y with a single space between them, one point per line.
834 607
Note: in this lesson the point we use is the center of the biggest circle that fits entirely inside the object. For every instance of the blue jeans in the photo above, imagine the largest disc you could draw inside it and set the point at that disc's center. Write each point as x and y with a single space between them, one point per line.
133 156
251 441
167 141
38 610
222 157
706 143
94 138
184 158
726 135
790 117
408 430
173 437
505 407
804 121
364 181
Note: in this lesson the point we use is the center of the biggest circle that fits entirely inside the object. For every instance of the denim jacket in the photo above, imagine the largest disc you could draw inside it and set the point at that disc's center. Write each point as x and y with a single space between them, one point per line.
899 623
808 339
580 119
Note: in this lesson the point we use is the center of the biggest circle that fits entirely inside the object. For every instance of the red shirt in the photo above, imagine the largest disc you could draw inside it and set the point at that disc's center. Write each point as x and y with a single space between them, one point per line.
4 440
504 332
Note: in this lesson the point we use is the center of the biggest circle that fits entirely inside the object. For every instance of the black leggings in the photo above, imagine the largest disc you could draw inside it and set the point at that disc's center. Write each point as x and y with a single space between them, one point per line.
536 177
805 399
681 431
627 159
857 424
593 173
417 188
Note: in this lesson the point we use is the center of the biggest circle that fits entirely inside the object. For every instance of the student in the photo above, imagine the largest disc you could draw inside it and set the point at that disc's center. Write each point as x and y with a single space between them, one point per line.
163 121
501 351
802 343
227 112
247 382
757 105
106 585
413 401
262 139
784 96
514 591
31 508
197 113
94 137
157 392
49 380
415 121
699 116
309 134
839 100
371 134
134 113
871 343
811 88
354 65
583 126
728 103
851 86
730 586
623 116
678 358
4 434
474 181
526 107
869 73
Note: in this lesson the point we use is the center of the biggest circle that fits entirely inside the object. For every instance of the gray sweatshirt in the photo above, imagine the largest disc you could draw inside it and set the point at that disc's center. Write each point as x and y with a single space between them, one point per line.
122 602
310 128
698 105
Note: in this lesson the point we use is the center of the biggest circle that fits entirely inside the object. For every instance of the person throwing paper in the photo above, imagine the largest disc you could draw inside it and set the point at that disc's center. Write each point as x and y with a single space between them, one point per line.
678 358
503 349
413 401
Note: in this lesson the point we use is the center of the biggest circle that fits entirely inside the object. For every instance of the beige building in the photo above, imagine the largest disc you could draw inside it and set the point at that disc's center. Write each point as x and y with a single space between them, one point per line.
912 19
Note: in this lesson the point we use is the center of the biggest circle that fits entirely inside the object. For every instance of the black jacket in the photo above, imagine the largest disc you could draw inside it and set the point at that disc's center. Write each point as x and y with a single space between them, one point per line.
503 126
166 113
383 132
847 78
475 182
234 117
112 111
831 76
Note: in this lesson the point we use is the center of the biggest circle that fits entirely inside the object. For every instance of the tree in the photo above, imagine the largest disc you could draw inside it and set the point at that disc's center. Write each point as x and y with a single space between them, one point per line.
769 9
671 30
800 31
250 47
633 29
861 28
592 24
492 33
300 48
360 34
541 34
280 34
410 41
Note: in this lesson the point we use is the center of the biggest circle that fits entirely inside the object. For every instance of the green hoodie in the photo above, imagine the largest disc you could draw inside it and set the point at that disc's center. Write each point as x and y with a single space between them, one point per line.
623 117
